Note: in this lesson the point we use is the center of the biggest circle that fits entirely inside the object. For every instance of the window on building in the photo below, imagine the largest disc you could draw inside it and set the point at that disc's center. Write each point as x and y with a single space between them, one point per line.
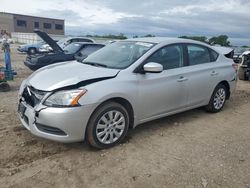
36 24
21 23
59 27
47 25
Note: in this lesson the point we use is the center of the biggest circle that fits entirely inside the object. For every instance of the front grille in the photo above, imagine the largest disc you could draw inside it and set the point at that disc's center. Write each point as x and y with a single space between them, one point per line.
50 130
32 96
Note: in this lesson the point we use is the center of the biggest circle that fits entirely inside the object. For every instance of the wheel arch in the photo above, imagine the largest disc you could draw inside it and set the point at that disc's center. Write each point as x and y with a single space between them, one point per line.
226 84
125 103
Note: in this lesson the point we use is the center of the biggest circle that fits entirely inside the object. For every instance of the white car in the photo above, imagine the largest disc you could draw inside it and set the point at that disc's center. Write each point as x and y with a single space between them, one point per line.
123 85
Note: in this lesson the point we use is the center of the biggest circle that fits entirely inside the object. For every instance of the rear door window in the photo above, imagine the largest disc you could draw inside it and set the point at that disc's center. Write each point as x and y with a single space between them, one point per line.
198 54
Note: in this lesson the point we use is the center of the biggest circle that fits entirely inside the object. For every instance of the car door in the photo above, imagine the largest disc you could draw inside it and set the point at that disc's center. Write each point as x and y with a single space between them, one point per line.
165 92
202 74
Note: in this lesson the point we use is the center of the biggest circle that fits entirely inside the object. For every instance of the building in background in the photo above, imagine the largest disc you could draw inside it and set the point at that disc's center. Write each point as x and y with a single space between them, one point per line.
26 24
21 27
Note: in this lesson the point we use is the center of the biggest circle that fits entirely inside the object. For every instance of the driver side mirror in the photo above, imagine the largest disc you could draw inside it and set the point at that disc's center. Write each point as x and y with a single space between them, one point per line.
152 67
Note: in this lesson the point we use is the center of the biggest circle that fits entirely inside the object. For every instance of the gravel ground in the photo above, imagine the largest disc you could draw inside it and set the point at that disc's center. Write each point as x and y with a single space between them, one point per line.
191 149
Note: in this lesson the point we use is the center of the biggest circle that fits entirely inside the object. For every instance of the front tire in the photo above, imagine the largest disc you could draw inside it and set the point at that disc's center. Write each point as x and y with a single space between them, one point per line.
108 125
218 99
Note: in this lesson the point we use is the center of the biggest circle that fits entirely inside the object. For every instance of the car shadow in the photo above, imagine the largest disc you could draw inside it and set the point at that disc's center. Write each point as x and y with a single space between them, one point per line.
165 123
169 121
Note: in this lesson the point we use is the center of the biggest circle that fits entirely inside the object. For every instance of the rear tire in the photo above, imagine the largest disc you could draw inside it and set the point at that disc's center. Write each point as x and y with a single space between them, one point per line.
107 126
218 99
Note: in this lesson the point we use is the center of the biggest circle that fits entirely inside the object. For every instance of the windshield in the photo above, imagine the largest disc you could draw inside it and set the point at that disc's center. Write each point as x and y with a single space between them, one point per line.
61 41
72 48
119 55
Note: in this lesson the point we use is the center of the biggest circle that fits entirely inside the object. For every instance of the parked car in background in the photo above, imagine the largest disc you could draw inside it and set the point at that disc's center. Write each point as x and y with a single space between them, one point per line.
30 48
87 50
123 85
244 67
36 61
64 42
238 54
247 52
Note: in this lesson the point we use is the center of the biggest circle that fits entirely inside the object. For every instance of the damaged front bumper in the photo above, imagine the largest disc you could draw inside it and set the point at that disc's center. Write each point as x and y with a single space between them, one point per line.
58 124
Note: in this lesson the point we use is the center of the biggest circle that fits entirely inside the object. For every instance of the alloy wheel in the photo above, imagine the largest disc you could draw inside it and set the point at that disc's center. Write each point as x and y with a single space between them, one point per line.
219 98
110 127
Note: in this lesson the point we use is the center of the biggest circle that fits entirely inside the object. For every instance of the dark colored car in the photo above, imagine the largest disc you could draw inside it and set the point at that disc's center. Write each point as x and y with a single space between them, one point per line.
58 54
30 48
89 49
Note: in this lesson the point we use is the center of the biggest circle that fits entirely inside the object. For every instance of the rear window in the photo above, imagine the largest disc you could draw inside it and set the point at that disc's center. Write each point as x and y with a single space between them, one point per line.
72 48
214 55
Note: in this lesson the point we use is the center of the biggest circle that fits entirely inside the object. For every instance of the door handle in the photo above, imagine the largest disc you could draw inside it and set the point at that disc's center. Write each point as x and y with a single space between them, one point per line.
182 79
214 73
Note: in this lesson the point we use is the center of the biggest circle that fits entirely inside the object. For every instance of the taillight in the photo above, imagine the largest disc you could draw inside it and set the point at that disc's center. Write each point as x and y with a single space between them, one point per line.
235 66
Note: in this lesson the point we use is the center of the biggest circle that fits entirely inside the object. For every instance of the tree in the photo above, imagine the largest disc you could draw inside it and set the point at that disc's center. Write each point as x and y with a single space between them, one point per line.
149 35
244 46
221 40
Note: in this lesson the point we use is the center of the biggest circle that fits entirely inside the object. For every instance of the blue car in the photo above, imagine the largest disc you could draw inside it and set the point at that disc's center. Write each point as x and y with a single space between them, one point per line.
31 48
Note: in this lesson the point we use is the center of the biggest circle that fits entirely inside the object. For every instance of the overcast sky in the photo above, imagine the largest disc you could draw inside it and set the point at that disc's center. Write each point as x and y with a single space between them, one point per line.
140 17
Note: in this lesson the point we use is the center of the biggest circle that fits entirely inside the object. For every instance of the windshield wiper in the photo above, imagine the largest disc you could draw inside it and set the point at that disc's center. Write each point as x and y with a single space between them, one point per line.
95 64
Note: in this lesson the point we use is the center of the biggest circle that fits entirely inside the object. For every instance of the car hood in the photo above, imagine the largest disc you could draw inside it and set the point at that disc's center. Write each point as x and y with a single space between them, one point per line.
66 74
49 41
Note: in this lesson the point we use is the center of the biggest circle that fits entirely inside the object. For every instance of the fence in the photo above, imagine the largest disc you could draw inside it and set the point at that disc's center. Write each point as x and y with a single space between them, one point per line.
31 37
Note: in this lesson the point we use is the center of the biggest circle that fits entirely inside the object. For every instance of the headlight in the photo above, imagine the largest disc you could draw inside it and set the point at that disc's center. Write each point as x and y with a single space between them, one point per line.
65 98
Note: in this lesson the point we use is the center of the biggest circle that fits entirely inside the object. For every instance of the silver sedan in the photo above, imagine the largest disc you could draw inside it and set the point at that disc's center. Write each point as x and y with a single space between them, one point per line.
123 85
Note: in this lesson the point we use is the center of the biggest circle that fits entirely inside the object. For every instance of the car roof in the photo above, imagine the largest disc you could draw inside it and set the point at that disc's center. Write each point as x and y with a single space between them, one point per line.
70 37
169 40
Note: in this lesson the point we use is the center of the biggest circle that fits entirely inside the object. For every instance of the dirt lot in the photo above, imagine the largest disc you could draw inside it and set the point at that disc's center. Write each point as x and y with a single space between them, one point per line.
191 149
